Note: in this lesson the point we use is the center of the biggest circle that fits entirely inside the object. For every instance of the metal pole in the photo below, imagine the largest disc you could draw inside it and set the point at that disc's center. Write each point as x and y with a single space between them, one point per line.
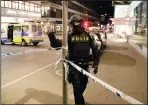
64 42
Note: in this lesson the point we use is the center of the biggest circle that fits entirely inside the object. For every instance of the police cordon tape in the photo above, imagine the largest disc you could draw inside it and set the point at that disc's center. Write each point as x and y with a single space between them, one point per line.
65 66
31 51
102 83
24 52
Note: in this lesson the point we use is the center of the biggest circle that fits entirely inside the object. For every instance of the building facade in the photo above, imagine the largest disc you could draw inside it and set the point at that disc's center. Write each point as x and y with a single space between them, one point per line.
136 12
51 13
19 11
140 12
47 11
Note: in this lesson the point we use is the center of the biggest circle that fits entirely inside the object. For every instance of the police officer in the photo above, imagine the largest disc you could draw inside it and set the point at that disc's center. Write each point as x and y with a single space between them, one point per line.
79 45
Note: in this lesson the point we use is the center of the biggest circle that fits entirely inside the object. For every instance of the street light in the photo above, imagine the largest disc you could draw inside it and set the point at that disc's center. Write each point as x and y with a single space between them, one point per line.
105 14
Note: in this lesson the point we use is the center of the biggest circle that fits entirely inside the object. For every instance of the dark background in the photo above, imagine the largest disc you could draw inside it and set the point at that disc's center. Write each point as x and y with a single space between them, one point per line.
101 8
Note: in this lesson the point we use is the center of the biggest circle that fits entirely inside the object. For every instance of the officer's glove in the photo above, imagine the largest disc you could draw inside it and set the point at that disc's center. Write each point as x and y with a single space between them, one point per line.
66 57
95 68
69 77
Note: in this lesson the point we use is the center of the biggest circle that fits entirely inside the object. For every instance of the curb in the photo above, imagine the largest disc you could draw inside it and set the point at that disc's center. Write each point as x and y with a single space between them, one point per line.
142 51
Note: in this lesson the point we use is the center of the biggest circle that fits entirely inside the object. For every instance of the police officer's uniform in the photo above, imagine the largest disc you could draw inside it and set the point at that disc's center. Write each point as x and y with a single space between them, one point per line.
79 45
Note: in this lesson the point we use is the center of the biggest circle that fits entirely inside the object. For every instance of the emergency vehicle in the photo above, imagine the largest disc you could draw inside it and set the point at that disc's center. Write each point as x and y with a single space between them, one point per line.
24 33
94 29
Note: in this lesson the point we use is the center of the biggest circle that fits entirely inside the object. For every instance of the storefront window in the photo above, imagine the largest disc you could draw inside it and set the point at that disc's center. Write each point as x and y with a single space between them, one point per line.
2 3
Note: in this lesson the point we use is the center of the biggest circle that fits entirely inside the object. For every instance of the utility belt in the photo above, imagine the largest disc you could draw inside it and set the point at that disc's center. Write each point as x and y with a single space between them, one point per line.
81 62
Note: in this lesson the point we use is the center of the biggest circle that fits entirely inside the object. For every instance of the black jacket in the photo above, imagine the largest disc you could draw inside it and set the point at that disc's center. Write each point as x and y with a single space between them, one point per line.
92 45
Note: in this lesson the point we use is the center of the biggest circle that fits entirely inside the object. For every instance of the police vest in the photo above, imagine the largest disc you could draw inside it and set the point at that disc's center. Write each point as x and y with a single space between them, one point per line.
80 45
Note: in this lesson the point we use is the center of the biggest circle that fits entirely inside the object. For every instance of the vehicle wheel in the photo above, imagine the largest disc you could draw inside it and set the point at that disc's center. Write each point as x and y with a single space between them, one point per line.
13 44
35 43
2 43
24 43
104 46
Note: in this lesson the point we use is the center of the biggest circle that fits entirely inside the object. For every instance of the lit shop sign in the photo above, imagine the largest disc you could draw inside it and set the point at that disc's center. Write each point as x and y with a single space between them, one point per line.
11 12
22 13
34 14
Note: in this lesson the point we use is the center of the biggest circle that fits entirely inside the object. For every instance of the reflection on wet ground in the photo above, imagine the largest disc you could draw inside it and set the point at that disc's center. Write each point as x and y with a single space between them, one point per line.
113 58
113 47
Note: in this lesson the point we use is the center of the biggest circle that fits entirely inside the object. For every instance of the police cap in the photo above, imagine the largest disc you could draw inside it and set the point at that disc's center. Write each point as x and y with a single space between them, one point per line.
75 19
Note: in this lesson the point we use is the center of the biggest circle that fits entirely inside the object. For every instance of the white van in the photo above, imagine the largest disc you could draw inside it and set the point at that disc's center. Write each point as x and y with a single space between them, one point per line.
24 34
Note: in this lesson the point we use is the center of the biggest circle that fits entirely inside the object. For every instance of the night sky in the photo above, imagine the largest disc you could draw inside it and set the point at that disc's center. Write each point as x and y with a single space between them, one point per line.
100 7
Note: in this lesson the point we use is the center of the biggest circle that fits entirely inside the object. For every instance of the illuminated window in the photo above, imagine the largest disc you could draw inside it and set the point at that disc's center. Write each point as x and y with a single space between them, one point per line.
15 4
42 13
31 6
9 4
26 6
46 11
45 8
42 8
35 8
21 2
21 5
2 3
39 9
6 3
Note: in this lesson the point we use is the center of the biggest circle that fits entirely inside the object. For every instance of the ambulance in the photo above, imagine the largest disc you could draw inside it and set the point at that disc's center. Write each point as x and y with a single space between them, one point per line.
24 34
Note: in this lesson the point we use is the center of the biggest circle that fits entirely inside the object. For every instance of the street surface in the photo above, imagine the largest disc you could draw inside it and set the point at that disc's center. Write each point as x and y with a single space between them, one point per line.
31 79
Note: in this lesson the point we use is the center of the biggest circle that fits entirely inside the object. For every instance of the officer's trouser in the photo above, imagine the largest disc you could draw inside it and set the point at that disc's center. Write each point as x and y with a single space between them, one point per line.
78 93
79 82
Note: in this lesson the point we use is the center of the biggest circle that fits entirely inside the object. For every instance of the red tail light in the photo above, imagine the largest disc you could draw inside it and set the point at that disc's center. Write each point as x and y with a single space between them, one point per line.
85 24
